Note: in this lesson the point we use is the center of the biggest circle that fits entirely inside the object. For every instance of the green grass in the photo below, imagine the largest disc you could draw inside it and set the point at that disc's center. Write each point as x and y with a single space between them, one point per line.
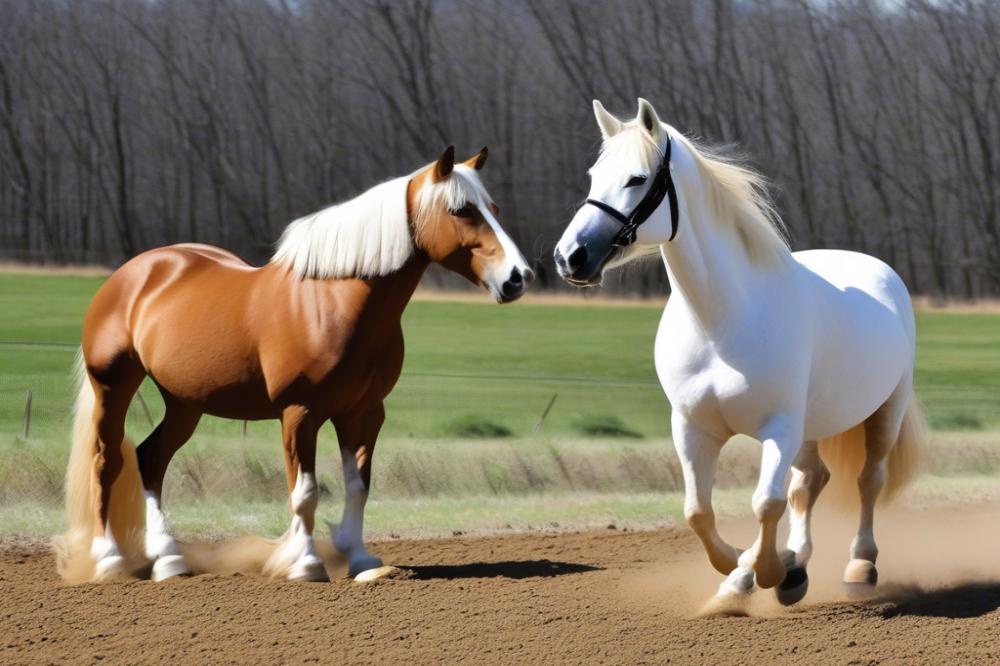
459 437
502 364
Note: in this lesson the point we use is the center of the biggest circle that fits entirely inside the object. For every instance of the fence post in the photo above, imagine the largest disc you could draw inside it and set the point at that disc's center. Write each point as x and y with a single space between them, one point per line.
145 408
548 408
27 414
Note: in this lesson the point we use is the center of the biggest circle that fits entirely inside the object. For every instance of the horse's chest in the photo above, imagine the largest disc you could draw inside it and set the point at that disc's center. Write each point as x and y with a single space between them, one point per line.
721 385
700 381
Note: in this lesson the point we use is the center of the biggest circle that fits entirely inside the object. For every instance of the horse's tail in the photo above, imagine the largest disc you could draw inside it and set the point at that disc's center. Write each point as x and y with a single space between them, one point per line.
126 513
845 455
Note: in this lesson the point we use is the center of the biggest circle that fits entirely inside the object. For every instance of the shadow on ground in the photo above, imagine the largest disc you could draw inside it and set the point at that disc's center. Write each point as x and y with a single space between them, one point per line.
509 569
960 601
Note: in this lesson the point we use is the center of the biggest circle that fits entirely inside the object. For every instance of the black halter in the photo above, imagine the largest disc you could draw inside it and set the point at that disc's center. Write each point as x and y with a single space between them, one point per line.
662 185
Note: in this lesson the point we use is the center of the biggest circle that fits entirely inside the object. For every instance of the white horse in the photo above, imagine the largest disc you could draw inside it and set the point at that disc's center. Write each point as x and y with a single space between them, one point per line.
802 351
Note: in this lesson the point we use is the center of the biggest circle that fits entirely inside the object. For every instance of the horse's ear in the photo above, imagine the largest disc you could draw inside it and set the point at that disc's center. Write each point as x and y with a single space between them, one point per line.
444 164
608 123
478 160
647 118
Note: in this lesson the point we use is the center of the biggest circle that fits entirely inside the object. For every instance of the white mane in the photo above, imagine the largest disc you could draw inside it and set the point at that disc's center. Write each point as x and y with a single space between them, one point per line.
463 186
370 235
367 236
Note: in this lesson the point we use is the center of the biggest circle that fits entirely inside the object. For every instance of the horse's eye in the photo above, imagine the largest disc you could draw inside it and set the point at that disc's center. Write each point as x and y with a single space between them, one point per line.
635 181
467 211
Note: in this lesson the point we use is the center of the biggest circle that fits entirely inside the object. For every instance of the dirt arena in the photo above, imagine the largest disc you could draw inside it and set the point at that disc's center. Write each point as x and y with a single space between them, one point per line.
612 596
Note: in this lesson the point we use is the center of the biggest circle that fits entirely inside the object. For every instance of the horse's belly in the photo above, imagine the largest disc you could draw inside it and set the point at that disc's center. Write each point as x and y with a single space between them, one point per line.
837 401
864 340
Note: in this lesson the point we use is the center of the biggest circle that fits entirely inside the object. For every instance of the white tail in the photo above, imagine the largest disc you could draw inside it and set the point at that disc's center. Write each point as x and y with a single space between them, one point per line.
126 513
845 455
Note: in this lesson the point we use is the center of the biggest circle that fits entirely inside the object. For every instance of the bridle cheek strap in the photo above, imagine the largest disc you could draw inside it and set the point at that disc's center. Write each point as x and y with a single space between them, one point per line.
662 186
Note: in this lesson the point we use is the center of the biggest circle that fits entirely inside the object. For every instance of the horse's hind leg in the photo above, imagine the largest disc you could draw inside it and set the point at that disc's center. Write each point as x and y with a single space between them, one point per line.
357 445
296 557
881 432
114 385
809 476
154 454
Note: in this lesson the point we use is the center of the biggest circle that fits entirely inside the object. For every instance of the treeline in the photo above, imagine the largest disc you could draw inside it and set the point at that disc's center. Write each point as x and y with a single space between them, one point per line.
127 124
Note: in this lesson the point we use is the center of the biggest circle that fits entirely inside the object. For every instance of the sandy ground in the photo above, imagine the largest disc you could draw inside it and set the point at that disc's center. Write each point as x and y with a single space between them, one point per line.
612 596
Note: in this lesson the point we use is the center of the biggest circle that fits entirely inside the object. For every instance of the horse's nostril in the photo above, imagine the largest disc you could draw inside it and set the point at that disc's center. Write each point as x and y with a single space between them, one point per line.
577 257
560 260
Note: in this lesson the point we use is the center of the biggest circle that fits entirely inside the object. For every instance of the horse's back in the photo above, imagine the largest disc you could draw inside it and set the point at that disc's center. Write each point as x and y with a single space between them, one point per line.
153 271
848 271
863 335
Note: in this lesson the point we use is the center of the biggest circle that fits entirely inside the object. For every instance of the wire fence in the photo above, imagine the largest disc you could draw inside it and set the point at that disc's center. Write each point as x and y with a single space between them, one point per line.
424 405
446 434
443 405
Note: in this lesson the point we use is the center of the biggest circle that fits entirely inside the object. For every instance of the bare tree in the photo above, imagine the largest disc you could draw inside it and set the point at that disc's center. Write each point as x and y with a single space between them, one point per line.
127 124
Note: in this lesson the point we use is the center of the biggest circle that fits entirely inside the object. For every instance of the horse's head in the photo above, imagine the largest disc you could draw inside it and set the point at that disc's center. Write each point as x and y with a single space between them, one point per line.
456 225
632 207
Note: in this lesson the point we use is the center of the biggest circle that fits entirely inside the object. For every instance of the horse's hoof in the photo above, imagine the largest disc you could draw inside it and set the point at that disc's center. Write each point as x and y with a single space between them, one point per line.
110 568
363 564
309 570
794 587
727 604
369 575
860 578
169 566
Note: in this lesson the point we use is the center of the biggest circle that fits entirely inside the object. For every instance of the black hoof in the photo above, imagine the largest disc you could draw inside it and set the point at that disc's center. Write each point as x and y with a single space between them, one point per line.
794 587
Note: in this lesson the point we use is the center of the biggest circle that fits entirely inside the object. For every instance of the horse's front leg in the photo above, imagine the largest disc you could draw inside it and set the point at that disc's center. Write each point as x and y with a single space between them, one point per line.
781 439
699 453
809 476
357 436
296 557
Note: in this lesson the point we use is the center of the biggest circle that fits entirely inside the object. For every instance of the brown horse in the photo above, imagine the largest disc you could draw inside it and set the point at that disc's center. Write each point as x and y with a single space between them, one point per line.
313 336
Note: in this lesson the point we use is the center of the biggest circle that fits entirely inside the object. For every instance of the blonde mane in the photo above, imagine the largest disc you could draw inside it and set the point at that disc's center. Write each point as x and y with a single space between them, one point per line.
737 195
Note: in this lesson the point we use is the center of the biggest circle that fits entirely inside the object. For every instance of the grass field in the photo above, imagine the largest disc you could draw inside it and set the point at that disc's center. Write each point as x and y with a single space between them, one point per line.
459 439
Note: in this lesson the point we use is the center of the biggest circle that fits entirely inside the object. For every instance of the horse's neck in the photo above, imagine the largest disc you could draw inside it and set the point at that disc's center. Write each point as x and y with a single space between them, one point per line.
380 299
389 294
711 272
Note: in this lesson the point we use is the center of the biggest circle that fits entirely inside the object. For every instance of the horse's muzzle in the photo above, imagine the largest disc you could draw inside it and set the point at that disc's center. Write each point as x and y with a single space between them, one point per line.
516 284
583 267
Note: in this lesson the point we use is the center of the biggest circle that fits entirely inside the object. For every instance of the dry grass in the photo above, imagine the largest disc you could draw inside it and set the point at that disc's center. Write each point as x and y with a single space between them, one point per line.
233 472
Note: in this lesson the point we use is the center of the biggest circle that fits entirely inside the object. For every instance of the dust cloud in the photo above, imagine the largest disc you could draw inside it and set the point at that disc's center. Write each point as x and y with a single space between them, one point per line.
925 553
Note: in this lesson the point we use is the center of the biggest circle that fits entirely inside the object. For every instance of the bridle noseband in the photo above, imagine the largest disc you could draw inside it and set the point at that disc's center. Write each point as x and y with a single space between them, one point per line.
662 186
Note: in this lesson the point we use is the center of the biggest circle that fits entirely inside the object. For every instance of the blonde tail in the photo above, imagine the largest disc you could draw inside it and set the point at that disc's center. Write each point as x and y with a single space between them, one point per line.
126 514
844 455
